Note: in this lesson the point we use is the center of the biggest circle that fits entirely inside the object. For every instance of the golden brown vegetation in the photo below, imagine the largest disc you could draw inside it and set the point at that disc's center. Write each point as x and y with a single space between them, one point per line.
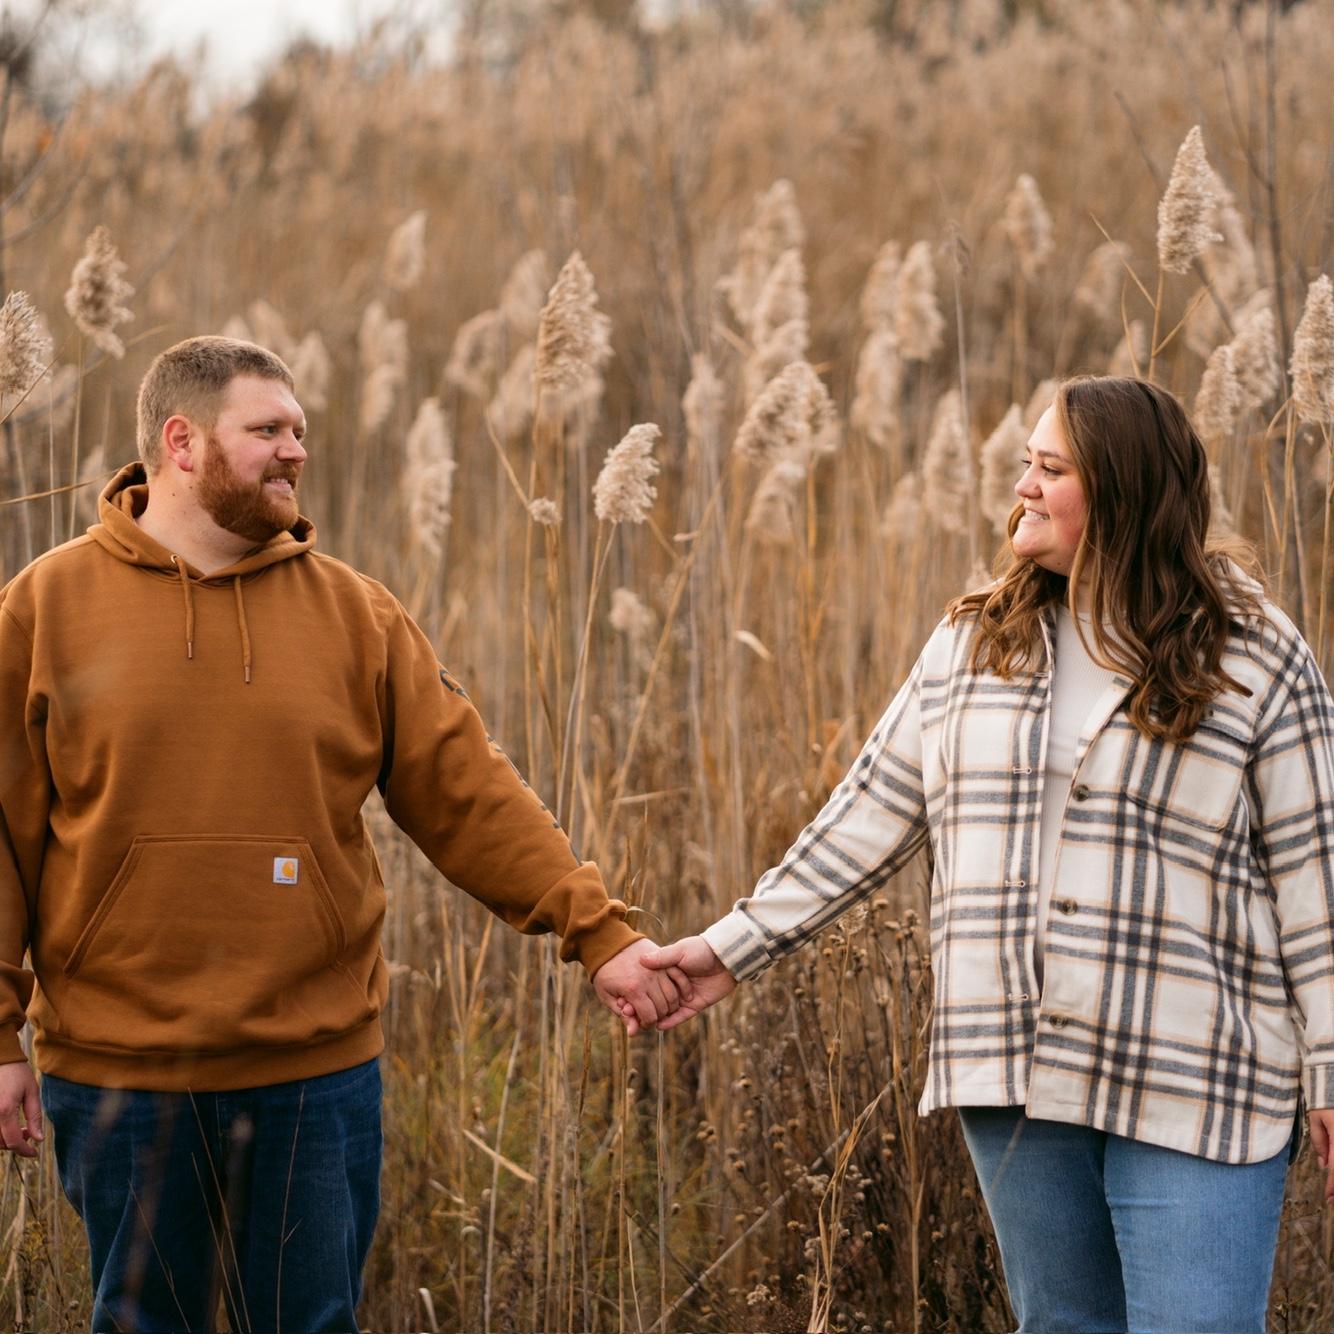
931 210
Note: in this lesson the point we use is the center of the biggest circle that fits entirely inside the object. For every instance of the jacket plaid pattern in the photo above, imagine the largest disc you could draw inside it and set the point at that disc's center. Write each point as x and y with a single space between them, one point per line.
1189 957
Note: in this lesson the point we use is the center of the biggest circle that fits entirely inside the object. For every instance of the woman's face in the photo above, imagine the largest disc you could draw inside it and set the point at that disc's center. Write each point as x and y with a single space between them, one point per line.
1054 506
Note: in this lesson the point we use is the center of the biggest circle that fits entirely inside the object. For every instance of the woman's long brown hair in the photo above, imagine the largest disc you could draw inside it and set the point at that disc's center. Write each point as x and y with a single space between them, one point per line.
1161 592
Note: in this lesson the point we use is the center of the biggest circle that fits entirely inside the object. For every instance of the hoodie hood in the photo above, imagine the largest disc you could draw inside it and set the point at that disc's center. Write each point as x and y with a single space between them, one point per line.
125 498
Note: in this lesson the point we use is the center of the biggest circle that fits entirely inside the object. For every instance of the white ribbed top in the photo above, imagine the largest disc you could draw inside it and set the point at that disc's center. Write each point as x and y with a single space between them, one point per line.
1077 683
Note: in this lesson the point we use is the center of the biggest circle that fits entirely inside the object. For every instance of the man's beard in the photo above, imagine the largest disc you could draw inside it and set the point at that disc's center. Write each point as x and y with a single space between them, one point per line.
247 509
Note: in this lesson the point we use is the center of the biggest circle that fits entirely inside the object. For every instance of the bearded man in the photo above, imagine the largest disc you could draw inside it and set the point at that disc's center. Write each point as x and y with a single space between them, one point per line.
194 706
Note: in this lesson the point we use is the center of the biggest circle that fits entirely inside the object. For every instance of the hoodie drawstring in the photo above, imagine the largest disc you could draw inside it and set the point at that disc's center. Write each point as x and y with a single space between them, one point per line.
189 607
247 659
243 627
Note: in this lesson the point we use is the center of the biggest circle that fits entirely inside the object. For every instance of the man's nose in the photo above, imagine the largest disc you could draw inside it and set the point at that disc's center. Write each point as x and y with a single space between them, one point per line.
292 449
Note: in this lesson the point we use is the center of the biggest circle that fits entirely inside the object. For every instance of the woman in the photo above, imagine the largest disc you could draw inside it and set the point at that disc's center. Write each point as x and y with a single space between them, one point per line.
1123 757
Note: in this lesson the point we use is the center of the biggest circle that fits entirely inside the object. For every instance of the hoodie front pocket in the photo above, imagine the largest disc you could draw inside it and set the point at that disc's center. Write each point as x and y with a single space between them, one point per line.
203 943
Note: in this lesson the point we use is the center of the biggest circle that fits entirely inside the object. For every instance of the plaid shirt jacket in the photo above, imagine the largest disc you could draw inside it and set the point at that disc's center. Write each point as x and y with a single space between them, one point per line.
1189 956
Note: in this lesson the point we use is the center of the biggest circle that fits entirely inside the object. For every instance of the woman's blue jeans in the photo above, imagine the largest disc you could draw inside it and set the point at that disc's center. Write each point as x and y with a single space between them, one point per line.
263 1198
1104 1235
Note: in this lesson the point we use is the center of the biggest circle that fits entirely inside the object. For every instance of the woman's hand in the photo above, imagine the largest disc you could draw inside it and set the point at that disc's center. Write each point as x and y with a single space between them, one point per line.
1321 1120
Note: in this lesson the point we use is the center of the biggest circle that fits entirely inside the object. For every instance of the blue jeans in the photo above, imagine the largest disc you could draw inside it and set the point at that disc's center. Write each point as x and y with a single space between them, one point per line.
265 1198
1104 1235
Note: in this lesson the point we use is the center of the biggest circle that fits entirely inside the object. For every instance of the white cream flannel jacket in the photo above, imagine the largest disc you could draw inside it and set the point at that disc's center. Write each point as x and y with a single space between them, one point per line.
1189 959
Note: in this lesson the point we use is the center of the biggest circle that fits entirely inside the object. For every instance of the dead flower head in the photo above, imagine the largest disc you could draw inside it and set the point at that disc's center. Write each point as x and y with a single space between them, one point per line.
25 345
98 291
573 337
1186 210
624 491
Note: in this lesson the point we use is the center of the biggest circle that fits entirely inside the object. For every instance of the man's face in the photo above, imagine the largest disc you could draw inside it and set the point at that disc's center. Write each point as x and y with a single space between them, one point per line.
252 462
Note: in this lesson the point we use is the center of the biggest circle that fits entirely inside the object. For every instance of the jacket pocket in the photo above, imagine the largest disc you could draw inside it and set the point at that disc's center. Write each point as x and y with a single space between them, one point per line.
1197 781
202 943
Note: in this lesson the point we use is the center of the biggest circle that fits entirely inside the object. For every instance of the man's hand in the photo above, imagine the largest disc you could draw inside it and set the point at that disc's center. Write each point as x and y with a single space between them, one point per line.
18 1094
1322 1134
640 996
708 978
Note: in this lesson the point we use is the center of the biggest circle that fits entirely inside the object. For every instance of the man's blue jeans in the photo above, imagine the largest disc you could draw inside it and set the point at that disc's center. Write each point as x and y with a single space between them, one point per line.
263 1197
1104 1235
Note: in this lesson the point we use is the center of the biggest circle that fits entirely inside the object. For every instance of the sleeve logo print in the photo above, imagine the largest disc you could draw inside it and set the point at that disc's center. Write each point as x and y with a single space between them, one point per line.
286 870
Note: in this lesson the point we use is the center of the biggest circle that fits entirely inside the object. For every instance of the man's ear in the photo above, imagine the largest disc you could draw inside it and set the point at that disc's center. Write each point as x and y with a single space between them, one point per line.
181 444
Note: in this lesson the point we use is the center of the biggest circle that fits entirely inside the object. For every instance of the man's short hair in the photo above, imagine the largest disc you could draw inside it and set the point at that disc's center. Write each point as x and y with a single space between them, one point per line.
190 379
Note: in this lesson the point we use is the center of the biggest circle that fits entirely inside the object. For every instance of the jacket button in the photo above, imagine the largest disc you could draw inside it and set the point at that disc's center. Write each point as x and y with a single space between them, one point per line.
1057 1020
1080 793
1068 906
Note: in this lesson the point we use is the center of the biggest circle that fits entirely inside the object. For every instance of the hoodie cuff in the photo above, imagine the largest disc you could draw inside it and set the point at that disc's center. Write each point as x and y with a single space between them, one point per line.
596 947
11 1049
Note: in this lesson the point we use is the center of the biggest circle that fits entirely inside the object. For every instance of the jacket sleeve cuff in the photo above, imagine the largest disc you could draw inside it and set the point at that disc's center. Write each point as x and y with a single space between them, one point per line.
1318 1086
11 1049
739 944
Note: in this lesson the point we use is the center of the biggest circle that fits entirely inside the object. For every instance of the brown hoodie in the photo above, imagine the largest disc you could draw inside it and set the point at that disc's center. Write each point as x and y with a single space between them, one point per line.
183 762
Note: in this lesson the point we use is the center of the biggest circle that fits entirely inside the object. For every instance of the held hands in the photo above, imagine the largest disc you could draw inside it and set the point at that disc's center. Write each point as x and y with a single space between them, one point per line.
640 995
20 1110
707 979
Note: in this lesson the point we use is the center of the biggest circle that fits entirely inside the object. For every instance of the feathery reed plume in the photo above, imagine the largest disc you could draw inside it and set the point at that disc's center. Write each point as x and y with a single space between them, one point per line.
1132 352
1185 212
774 228
1220 398
573 336
25 345
428 478
702 406
1312 364
523 295
1039 401
237 328
379 393
1099 287
1002 454
792 415
901 522
311 369
917 320
945 467
97 292
785 345
269 329
382 341
880 296
624 491
879 382
771 519
405 256
631 618
510 411
782 300
1028 225
473 359
544 510
1255 352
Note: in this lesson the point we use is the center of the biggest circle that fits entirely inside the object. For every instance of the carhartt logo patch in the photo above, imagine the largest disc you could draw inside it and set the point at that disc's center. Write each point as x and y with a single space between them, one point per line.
286 870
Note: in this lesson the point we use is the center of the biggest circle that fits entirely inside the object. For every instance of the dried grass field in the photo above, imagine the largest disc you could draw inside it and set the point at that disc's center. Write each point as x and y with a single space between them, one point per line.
833 253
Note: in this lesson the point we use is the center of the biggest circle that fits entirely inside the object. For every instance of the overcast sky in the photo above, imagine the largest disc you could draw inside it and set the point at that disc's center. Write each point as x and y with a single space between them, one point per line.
240 33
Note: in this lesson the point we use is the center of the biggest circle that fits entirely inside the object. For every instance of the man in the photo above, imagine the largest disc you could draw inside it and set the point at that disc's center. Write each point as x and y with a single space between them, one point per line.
194 705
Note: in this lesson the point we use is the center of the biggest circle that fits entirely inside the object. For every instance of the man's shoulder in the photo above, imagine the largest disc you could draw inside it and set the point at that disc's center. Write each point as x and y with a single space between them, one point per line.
348 581
67 561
